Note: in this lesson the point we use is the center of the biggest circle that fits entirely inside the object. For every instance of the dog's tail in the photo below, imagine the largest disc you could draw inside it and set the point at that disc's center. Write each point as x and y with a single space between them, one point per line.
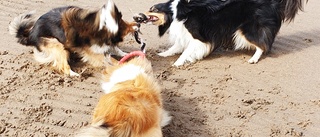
21 26
95 130
100 129
290 8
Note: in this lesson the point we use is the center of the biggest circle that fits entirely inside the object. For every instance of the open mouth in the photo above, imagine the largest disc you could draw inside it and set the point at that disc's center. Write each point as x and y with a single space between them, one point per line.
153 18
143 18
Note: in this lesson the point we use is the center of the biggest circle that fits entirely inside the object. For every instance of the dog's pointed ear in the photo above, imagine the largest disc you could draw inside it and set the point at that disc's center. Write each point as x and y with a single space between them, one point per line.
108 17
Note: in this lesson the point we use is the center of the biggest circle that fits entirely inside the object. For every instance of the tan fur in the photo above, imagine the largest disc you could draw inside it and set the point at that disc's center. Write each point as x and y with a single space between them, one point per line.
94 59
52 51
81 32
160 16
75 23
134 107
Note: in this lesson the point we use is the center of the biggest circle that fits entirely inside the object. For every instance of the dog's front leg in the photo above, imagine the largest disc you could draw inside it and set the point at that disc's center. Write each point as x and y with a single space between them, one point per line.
196 50
175 49
118 52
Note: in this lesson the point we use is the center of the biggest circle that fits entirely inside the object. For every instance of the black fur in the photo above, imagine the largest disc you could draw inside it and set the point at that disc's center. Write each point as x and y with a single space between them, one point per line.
48 25
69 30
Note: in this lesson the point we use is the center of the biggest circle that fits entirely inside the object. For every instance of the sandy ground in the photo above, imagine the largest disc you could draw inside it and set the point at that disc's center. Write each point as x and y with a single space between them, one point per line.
221 95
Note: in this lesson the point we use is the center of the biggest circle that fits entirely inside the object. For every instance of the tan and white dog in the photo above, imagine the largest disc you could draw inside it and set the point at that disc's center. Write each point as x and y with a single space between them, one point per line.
132 105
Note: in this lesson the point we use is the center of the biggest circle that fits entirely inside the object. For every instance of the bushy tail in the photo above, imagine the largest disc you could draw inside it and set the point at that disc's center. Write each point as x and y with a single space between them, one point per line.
21 26
100 130
95 130
290 8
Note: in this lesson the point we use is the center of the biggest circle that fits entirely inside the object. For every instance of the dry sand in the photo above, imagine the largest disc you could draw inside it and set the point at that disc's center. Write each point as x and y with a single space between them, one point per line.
221 95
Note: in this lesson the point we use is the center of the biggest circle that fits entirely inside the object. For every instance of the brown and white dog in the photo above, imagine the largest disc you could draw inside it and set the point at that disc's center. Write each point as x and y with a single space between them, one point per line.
132 105
65 30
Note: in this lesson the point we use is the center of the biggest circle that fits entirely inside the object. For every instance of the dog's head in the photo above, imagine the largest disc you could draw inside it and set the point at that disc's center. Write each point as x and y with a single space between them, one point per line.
112 22
160 14
120 71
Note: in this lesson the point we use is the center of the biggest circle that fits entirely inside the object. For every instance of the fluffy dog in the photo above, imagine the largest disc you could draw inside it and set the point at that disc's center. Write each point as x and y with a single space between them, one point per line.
65 30
132 105
198 27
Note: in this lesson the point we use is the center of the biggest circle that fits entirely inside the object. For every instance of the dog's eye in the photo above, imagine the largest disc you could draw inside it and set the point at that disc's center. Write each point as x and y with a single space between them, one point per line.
153 9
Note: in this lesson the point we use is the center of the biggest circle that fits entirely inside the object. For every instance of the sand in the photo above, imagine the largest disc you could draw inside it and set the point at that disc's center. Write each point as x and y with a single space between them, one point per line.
221 95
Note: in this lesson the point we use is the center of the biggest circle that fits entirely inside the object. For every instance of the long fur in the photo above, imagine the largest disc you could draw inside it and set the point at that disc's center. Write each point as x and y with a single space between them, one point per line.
132 105
198 27
89 33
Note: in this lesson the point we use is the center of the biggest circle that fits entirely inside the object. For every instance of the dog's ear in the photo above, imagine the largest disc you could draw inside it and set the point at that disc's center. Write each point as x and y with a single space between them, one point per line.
108 17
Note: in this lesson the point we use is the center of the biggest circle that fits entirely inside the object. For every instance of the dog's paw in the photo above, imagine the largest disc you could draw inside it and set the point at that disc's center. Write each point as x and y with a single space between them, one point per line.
74 74
253 61
165 54
255 58
178 63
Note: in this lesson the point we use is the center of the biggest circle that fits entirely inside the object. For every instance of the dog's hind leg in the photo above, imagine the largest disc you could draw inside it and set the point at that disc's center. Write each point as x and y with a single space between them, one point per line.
52 51
241 42
256 56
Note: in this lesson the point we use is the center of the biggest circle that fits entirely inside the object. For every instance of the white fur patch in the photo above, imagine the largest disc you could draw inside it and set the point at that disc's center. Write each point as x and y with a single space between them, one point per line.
23 19
95 130
72 73
165 118
240 41
176 33
106 19
256 56
127 72
174 8
193 49
113 50
43 57
99 49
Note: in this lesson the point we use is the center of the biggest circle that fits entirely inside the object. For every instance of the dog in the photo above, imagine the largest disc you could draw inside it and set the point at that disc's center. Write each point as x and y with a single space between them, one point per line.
67 30
132 105
198 27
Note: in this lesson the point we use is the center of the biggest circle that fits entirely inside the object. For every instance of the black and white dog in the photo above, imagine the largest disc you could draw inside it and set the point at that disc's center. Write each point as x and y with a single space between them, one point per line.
198 27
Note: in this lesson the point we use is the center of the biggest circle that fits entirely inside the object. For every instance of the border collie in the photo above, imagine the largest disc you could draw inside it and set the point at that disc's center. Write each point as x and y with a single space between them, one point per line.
198 27
65 30
132 105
